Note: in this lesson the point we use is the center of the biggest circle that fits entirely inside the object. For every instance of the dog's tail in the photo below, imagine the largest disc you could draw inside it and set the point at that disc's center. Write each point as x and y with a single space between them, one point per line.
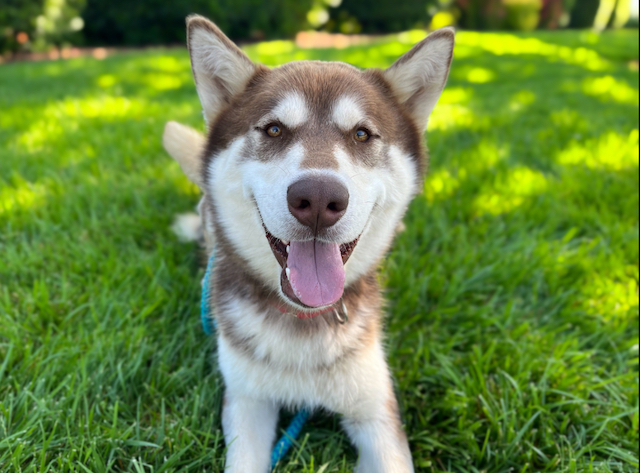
186 146
188 227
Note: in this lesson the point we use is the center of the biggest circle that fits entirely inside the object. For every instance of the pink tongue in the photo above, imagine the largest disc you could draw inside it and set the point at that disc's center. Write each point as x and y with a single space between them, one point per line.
317 272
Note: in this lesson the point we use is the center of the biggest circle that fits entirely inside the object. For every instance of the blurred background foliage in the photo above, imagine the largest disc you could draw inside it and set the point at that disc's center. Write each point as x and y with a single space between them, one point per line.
38 25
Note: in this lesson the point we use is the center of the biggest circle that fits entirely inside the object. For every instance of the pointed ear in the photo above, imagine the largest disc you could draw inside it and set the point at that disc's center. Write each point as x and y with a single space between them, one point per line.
186 146
220 68
418 78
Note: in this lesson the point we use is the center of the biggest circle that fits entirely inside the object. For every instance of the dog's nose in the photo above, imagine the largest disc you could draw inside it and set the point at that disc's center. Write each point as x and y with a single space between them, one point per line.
318 203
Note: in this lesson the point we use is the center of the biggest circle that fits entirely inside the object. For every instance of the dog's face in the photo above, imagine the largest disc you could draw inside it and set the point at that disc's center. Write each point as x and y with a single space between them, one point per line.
311 166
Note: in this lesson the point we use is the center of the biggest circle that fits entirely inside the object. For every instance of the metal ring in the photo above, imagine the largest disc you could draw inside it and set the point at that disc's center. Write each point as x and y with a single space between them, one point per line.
344 318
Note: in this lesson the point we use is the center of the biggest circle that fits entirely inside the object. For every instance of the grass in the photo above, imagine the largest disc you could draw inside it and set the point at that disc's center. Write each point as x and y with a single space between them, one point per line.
513 293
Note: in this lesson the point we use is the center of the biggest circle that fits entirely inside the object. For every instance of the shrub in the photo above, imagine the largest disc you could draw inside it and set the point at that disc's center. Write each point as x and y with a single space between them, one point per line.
523 15
58 22
380 16
36 24
482 14
584 14
556 13
17 16
142 22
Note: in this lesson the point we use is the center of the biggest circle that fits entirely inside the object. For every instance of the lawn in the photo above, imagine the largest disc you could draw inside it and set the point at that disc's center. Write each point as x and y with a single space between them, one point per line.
513 292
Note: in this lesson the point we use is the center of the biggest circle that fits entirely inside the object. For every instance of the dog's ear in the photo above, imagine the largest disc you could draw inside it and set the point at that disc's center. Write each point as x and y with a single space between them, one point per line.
186 146
220 68
418 77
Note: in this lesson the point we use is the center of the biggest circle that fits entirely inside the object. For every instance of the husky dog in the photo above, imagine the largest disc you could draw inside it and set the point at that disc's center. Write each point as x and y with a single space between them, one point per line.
306 171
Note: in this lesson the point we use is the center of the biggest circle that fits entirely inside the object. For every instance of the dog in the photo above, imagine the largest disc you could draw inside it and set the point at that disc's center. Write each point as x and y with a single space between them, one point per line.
306 170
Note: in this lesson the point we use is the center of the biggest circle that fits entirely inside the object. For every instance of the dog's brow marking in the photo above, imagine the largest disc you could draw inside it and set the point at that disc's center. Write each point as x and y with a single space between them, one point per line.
347 113
292 111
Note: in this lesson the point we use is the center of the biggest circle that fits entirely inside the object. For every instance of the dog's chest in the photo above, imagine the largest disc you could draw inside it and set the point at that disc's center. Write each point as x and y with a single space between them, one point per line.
294 362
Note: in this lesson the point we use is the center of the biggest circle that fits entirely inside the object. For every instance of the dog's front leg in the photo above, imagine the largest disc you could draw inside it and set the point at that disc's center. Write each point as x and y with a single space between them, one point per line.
380 439
249 431
373 421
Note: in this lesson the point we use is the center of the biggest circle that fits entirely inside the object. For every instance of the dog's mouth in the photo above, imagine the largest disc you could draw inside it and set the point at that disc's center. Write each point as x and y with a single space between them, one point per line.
313 272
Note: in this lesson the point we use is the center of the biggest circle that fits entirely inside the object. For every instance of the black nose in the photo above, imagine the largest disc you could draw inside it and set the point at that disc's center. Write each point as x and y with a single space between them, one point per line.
318 203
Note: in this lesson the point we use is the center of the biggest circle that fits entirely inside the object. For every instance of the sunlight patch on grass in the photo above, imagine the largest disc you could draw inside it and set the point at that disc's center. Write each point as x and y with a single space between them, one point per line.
392 49
169 64
470 44
485 156
610 89
61 117
521 100
373 58
456 95
40 133
610 298
22 195
93 107
480 75
106 80
448 116
156 81
611 151
274 48
273 53
440 185
510 191
412 36
162 82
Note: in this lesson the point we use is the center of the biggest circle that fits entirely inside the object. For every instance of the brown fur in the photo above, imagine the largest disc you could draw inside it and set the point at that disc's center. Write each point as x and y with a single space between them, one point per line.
321 84
267 358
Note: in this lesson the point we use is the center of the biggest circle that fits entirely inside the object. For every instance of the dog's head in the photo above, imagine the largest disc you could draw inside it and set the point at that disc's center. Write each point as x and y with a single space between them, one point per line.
310 166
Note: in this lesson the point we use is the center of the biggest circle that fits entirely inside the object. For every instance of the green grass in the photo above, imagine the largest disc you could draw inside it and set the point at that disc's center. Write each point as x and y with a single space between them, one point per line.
513 293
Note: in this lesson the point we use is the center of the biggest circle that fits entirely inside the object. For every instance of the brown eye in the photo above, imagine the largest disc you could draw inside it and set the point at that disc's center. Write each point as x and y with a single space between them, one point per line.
361 136
274 131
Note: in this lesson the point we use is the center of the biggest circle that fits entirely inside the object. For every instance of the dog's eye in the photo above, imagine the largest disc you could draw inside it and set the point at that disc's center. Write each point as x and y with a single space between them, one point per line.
274 131
361 135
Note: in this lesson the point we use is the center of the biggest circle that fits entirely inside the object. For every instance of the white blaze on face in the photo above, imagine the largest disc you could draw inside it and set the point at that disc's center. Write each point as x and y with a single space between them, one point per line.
347 113
247 190
292 111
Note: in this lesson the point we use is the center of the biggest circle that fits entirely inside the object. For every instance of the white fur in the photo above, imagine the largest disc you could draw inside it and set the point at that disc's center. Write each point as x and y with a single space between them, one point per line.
294 370
188 227
219 71
185 145
374 200
291 111
249 425
347 113
420 80
335 368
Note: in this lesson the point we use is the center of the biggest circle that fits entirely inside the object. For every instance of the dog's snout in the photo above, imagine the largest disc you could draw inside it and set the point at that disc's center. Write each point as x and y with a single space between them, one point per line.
318 203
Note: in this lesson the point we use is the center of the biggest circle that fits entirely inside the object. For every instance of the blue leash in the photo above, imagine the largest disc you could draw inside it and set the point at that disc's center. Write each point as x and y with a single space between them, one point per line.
209 326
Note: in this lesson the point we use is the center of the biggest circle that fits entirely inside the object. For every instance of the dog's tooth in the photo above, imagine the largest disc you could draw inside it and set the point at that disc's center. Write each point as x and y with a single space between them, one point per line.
288 271
288 248
285 242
